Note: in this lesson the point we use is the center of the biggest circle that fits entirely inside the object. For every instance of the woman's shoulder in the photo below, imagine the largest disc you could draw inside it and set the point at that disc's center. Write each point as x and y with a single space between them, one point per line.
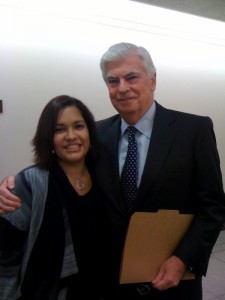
31 181
32 174
33 170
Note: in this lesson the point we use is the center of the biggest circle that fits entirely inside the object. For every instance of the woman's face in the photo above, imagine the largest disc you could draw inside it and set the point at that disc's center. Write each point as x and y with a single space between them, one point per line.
71 139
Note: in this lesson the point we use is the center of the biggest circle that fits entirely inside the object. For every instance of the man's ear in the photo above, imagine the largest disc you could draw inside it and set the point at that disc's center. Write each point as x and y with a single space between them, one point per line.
153 79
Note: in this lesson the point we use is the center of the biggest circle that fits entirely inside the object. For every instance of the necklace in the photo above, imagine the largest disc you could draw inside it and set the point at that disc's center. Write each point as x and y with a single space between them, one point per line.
79 183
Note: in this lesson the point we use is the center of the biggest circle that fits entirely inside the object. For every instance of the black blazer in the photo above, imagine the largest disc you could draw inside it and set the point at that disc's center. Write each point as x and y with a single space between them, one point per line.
182 172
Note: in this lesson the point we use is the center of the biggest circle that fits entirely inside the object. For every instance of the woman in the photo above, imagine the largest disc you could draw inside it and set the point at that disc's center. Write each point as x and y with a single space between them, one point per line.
50 247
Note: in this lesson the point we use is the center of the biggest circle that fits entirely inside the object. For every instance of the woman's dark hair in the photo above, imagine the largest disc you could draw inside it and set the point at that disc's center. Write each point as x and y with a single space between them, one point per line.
43 139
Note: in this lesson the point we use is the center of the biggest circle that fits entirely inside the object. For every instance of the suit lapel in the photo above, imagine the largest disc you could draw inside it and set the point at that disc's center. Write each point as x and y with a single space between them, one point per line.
163 133
108 167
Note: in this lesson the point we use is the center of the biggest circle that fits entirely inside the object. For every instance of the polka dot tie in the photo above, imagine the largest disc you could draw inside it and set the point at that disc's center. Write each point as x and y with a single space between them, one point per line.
129 174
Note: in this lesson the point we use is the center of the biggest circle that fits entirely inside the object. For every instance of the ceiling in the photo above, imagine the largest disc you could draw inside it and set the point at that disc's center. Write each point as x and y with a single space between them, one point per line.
212 9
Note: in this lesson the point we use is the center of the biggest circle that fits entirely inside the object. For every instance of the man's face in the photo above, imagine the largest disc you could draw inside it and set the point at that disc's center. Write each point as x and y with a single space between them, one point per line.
130 87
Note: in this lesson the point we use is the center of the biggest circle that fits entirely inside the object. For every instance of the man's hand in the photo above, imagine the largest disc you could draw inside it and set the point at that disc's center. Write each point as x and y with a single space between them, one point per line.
170 274
8 201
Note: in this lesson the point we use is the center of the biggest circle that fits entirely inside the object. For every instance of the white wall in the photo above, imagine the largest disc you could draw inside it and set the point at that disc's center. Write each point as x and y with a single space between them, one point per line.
50 50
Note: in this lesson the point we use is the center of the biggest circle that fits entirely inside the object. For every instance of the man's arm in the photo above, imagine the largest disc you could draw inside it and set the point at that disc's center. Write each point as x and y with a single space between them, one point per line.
195 249
8 201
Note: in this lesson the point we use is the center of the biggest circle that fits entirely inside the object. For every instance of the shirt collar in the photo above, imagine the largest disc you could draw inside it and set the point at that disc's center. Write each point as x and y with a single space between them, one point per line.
145 124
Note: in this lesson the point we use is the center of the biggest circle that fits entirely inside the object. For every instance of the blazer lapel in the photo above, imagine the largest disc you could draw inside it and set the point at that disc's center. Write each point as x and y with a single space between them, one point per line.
163 134
108 166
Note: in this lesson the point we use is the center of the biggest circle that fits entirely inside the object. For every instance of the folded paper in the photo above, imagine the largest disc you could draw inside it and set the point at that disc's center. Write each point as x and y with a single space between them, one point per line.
151 239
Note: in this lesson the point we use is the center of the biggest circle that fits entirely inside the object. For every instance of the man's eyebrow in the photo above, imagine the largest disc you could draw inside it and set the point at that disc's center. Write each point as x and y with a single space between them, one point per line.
132 73
124 76
111 76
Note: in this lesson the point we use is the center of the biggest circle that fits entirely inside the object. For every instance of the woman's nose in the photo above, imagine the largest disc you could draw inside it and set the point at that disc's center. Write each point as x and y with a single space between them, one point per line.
71 134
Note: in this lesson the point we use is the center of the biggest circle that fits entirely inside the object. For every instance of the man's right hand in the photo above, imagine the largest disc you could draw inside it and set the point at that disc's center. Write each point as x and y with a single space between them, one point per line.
8 201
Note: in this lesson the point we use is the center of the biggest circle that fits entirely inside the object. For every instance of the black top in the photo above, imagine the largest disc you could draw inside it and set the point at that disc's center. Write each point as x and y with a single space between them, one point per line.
85 215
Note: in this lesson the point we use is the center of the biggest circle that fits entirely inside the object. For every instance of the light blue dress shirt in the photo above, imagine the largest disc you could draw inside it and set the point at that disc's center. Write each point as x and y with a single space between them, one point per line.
143 136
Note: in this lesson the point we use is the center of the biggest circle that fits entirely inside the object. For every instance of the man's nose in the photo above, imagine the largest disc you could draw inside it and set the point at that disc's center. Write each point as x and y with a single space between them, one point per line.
123 86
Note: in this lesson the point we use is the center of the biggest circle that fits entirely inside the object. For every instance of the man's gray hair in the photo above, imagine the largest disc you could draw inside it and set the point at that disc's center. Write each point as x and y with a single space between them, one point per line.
121 50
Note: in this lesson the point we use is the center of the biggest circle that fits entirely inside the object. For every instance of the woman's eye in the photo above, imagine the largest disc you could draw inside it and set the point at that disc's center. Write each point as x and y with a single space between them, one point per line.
58 129
79 126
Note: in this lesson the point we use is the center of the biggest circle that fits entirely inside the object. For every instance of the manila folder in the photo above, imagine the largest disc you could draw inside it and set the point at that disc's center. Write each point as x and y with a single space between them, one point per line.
151 239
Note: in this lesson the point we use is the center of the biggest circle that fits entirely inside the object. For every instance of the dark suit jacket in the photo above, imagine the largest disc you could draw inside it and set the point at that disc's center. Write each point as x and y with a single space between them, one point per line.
182 172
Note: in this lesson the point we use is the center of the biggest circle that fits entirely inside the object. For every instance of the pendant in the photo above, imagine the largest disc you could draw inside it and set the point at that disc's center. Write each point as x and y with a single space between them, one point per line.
79 184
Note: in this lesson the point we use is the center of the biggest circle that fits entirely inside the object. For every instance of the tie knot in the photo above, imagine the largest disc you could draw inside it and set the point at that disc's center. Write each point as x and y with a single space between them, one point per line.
131 130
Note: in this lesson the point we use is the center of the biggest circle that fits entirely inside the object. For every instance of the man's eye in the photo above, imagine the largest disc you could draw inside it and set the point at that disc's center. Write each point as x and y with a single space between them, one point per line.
133 78
113 82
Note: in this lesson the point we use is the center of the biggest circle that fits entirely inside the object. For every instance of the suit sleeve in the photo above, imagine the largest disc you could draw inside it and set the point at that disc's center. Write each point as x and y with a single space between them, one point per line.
196 247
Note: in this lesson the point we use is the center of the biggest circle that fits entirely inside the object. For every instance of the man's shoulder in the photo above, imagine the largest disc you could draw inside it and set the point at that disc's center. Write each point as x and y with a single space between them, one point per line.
108 122
178 114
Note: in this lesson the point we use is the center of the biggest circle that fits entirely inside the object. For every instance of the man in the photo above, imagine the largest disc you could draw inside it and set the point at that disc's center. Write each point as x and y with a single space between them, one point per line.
177 168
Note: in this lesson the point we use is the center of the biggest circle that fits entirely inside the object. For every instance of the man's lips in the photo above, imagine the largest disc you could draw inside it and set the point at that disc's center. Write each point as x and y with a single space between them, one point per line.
126 99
